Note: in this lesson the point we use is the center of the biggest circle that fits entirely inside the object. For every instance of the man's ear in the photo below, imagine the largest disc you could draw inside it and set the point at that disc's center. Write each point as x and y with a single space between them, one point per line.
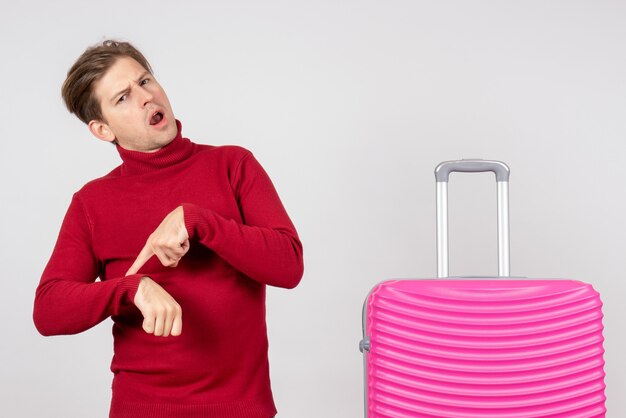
101 130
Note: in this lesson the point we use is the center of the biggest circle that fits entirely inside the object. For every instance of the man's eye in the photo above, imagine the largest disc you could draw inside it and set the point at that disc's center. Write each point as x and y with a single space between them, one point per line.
144 81
122 99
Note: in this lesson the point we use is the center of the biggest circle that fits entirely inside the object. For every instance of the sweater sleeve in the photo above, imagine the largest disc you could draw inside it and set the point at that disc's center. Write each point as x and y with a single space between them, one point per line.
265 247
68 299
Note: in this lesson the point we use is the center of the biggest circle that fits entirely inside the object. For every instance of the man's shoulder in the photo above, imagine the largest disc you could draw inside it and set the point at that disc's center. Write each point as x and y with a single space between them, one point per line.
100 181
222 154
223 150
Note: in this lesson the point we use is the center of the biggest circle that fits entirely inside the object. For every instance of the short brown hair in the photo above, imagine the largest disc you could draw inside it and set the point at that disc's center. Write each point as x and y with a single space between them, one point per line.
77 90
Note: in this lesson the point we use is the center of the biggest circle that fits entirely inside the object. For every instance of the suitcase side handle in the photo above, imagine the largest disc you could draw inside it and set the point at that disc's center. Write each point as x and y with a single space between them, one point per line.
442 173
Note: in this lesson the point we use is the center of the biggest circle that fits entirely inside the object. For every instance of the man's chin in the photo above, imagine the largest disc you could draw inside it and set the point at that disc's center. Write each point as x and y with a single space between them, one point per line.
164 137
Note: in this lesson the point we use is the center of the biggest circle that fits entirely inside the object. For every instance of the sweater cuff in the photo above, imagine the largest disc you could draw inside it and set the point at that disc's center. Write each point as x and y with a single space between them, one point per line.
195 221
127 289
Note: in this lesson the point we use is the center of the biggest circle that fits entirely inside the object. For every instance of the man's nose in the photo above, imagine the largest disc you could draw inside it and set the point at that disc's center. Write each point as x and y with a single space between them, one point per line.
145 96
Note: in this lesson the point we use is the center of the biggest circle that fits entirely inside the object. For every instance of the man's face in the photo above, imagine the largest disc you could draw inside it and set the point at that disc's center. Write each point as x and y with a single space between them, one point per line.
135 108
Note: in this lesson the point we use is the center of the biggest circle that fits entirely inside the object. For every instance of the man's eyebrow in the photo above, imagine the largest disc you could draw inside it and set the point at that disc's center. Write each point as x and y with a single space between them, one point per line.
128 88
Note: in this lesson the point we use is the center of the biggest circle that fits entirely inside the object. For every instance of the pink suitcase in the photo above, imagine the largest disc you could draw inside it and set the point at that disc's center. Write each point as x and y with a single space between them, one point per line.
482 347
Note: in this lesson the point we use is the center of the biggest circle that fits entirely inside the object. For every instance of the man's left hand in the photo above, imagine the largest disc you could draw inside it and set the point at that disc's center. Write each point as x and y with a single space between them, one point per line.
169 242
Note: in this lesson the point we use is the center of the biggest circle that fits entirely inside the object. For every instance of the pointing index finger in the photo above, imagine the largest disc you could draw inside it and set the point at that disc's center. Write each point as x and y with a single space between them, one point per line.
145 255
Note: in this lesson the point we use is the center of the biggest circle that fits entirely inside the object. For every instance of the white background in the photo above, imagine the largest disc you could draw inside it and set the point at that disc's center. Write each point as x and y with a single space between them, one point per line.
349 105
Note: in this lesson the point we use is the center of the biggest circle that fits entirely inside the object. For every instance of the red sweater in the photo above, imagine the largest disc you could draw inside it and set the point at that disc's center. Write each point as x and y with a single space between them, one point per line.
241 239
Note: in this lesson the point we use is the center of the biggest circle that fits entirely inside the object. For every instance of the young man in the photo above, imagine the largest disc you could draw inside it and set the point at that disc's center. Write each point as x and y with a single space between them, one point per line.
178 228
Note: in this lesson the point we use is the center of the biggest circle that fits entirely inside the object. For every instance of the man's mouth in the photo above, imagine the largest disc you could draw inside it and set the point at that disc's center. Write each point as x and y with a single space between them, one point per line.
156 118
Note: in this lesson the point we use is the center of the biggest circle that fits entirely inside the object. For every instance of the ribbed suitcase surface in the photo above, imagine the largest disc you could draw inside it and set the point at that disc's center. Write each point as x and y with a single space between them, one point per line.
484 348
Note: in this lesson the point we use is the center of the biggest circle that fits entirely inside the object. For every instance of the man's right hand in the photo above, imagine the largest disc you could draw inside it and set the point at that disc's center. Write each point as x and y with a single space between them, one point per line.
162 315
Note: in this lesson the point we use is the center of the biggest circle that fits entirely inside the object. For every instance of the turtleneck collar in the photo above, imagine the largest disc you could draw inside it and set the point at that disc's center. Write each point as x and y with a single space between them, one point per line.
138 162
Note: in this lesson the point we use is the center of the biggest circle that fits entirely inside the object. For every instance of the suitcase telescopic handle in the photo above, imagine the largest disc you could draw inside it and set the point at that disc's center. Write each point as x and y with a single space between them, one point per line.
442 173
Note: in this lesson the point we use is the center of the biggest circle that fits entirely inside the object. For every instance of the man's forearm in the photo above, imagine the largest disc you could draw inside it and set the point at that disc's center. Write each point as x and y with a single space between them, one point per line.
68 307
268 255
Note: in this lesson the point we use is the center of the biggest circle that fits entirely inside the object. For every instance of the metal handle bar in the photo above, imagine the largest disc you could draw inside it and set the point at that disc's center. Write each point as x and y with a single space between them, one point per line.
442 173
